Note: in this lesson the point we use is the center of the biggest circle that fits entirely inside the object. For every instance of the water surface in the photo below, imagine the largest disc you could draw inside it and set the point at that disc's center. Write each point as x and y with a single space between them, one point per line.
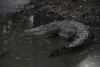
33 51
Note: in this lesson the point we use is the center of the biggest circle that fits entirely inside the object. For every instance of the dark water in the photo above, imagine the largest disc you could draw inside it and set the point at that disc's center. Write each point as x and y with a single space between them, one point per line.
30 51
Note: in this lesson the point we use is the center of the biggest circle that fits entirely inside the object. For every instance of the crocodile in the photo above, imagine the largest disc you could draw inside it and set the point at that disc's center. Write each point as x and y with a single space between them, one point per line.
76 33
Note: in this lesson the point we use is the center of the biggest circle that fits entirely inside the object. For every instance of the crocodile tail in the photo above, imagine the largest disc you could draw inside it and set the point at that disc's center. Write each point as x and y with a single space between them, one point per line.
60 51
64 49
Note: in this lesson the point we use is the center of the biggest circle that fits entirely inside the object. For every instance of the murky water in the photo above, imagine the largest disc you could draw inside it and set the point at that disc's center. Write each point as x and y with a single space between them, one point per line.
31 51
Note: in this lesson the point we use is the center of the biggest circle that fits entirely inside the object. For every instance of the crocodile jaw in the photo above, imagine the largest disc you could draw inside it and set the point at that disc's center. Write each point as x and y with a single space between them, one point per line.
37 31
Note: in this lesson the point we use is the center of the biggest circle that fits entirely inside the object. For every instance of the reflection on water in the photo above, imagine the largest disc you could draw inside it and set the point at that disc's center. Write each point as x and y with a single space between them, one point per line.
90 61
31 51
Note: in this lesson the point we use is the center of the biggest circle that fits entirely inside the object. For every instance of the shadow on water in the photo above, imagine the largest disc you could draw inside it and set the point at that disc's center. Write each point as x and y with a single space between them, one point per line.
30 51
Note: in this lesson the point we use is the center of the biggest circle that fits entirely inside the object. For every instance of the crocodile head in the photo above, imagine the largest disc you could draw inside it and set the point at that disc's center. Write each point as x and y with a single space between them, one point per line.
37 31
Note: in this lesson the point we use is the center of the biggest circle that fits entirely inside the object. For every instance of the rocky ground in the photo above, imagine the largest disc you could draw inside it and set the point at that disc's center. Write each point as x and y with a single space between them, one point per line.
86 11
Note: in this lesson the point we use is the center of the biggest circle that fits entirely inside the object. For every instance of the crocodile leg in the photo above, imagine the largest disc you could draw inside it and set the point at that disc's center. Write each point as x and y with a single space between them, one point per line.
70 34
52 31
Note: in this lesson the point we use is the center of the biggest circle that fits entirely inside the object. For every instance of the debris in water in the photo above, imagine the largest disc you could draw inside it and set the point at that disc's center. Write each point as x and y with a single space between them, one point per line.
40 44
17 58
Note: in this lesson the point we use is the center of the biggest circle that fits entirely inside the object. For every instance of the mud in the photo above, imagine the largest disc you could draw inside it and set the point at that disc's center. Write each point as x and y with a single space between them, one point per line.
85 11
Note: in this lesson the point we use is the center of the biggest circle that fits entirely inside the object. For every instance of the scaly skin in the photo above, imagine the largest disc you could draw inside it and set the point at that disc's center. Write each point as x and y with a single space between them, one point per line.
82 35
